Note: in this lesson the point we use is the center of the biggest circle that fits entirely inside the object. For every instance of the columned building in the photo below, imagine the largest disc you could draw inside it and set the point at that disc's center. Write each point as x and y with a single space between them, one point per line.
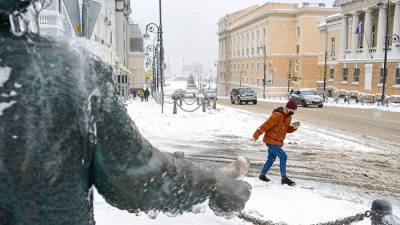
270 41
355 42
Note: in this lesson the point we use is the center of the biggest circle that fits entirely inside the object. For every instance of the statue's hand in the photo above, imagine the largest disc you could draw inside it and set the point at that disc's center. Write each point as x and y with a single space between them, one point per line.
230 194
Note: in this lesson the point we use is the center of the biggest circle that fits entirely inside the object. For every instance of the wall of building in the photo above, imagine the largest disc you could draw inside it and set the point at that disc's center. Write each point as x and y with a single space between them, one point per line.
291 34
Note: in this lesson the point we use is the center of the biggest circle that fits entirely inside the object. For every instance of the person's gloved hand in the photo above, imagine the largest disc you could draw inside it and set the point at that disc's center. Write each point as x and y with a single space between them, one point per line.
230 195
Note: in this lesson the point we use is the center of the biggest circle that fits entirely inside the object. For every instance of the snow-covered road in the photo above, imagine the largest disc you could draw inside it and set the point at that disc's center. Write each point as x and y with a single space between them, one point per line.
315 153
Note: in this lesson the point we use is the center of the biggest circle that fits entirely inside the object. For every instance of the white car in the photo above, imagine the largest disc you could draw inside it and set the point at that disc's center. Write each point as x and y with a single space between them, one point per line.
191 92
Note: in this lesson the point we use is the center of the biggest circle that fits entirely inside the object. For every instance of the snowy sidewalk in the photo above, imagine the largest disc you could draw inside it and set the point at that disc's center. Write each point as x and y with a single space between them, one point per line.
306 203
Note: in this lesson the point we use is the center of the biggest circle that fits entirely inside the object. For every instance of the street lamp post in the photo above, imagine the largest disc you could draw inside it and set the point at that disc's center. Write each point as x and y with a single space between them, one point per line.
325 62
263 48
154 28
325 67
240 78
396 38
290 74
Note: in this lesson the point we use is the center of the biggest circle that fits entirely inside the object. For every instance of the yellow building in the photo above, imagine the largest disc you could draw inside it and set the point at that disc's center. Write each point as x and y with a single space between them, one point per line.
355 41
270 40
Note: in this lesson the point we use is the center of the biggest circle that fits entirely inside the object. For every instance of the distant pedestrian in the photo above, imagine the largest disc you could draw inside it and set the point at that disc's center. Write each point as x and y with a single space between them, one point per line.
146 94
275 129
134 94
141 95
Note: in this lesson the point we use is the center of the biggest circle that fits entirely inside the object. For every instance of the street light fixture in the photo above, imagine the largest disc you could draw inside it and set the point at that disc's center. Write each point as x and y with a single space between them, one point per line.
263 49
157 29
240 80
290 73
396 39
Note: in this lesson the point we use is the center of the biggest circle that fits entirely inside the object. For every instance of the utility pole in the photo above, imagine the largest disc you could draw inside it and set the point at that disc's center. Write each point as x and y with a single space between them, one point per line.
161 59
265 76
240 80
209 81
289 77
325 62
386 54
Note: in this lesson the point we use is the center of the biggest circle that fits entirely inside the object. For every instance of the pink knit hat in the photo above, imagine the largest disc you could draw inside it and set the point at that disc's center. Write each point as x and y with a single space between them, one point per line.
291 104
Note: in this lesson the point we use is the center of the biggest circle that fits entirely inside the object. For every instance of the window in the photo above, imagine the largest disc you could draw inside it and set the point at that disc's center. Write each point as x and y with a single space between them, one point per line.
356 75
264 33
361 40
397 76
345 74
373 36
136 44
258 34
381 74
333 46
297 49
331 73
252 51
258 66
298 32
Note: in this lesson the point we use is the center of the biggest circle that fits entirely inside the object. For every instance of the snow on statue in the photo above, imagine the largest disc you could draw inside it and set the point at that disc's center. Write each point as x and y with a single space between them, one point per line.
66 132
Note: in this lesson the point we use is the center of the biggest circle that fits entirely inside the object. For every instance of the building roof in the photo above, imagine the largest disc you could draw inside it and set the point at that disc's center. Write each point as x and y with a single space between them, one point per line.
253 14
134 31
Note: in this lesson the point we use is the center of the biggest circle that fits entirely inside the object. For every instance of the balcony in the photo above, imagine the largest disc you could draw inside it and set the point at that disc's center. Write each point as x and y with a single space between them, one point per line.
51 22
371 55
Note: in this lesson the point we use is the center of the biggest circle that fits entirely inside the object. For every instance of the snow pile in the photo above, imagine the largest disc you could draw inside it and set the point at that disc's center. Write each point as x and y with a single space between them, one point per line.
393 107
307 203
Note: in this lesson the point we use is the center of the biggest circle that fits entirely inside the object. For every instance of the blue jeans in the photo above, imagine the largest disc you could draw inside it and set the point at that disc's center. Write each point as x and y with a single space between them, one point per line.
273 152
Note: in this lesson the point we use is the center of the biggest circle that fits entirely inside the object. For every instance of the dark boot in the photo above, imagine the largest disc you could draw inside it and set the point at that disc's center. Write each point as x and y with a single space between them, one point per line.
286 180
263 178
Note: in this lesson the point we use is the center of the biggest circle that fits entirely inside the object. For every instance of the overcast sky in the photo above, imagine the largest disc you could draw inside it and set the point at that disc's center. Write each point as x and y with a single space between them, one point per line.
190 26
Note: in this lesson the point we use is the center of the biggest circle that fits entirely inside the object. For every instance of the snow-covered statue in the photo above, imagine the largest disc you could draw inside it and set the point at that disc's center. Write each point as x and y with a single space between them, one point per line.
64 131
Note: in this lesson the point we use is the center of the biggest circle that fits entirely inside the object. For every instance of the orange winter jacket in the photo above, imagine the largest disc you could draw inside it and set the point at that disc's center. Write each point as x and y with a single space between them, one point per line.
275 128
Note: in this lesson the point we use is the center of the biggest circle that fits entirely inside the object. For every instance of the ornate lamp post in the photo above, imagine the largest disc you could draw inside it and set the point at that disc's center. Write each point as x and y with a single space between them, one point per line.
157 29
264 52
290 73
396 39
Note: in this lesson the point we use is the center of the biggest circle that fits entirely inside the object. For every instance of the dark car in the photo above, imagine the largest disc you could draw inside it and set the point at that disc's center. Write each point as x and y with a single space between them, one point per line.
210 94
307 97
243 94
179 93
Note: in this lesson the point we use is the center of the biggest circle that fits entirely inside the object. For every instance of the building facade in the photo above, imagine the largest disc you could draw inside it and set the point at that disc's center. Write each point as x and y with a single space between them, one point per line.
274 39
354 40
104 23
136 57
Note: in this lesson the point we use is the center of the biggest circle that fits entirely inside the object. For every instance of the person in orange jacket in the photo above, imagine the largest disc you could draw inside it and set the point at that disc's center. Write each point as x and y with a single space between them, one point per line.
275 129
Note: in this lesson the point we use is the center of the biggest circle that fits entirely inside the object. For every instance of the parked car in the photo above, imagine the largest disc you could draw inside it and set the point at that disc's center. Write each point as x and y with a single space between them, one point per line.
179 93
210 94
307 97
191 92
243 94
